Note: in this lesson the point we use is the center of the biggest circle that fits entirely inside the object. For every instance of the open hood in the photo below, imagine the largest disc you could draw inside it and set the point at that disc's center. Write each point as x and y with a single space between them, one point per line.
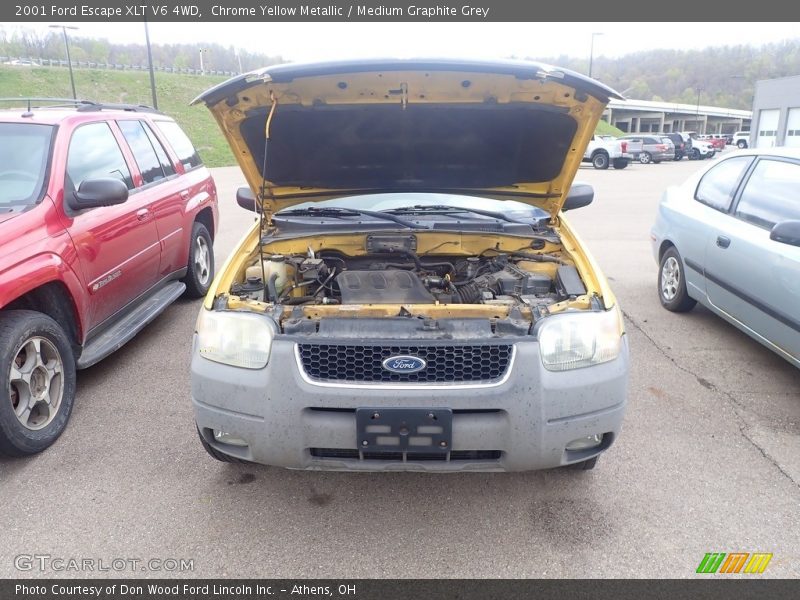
509 130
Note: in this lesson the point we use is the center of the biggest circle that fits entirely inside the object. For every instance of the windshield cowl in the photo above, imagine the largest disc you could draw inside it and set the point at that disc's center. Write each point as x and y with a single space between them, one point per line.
414 211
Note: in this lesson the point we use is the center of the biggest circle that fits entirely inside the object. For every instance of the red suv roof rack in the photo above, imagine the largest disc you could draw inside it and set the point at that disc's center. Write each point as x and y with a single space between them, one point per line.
80 105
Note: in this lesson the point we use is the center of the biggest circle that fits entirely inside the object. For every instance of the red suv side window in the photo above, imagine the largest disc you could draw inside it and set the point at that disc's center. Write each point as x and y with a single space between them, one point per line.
181 144
166 163
143 151
93 154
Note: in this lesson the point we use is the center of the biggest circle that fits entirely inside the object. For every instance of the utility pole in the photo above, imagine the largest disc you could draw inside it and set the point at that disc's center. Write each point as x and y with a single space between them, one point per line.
150 63
591 51
64 28
202 68
239 58
697 113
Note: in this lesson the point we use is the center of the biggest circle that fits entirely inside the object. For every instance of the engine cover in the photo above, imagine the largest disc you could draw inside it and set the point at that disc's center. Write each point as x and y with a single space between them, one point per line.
382 287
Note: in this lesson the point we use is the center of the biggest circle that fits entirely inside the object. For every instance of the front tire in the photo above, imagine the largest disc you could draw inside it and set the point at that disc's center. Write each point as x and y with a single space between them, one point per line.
600 160
37 382
200 271
741 144
672 283
645 158
695 154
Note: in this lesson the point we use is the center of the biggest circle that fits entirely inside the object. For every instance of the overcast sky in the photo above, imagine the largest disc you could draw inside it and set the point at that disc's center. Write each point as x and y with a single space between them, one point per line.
320 41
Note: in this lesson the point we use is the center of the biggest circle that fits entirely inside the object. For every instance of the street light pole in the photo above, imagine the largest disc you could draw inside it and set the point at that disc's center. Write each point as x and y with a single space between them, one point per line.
697 113
64 28
150 62
591 51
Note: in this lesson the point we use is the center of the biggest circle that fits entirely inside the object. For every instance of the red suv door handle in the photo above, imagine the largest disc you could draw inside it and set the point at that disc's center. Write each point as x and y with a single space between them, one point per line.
143 214
185 194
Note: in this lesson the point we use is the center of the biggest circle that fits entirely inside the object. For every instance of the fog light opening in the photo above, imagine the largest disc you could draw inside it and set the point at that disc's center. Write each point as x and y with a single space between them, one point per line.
586 443
223 437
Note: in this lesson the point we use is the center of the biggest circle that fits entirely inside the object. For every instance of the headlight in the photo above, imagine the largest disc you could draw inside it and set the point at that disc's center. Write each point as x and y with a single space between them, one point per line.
234 338
574 340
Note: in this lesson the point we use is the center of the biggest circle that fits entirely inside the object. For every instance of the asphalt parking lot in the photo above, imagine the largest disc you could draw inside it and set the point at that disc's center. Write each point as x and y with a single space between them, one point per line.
708 461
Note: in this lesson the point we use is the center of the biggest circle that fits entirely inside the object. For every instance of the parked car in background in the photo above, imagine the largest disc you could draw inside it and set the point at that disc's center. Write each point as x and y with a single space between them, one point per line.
741 139
21 62
649 148
717 141
729 238
605 150
697 148
670 144
678 143
107 215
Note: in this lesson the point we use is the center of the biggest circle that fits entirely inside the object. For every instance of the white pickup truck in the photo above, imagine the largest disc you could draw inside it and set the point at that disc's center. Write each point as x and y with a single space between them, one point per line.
605 150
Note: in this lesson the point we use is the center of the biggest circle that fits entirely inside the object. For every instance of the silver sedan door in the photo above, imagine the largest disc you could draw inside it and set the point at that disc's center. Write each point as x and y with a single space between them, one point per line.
750 277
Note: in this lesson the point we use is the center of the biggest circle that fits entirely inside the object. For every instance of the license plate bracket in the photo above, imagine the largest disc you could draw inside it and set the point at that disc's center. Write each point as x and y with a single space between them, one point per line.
410 430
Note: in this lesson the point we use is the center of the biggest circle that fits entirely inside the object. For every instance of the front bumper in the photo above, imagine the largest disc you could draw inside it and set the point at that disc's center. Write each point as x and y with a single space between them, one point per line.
523 422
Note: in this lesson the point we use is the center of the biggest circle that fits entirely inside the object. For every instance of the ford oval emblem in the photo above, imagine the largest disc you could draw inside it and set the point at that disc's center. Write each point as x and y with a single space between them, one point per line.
404 364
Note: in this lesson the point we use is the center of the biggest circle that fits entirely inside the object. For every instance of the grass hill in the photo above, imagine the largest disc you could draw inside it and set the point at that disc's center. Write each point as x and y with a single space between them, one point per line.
174 93
604 128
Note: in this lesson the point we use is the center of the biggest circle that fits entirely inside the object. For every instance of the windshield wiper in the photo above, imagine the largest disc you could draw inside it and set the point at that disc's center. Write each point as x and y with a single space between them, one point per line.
444 209
335 211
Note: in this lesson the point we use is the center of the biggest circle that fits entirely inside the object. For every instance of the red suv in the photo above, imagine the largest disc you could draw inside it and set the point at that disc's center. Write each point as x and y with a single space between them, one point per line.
107 215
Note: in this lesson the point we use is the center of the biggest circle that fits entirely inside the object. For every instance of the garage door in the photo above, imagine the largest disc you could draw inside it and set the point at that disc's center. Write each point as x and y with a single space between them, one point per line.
767 128
793 127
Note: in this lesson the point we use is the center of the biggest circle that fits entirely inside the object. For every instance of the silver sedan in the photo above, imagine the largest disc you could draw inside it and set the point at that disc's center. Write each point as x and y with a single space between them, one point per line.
729 238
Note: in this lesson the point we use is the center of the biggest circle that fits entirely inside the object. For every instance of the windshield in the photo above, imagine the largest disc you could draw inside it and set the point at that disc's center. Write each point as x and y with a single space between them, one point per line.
382 202
24 152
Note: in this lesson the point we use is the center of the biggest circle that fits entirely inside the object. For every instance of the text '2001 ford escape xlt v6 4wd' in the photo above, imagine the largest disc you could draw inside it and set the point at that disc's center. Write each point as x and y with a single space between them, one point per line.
411 297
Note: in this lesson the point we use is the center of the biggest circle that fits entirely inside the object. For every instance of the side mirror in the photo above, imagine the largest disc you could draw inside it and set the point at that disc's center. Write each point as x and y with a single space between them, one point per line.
579 195
246 199
92 193
786 232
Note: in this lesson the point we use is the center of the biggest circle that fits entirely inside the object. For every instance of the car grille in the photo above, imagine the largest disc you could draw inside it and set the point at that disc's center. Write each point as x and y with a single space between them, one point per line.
445 364
455 455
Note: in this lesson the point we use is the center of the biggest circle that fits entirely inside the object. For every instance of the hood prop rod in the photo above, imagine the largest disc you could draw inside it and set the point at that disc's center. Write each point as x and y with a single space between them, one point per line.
263 195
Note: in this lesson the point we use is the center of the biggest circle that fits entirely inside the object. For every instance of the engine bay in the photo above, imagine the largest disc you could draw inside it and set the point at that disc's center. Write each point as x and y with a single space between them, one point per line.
390 270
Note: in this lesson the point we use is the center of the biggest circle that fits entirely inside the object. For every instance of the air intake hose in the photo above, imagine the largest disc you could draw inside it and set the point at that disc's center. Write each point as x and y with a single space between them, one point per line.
469 293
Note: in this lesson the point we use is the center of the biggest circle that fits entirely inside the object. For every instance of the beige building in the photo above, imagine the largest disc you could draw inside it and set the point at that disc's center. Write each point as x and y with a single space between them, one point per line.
636 116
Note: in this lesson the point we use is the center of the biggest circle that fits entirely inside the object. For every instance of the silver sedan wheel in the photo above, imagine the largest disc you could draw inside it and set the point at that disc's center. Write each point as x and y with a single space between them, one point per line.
36 383
202 260
670 278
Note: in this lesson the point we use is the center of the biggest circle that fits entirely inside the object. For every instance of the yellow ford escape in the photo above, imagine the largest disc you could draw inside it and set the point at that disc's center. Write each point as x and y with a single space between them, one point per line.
411 296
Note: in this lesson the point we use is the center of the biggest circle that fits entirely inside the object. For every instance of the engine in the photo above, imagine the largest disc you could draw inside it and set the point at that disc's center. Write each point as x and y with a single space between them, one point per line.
393 273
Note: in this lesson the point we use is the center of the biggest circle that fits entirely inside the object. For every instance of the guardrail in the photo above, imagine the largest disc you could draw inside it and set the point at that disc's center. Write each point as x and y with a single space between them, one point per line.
22 61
